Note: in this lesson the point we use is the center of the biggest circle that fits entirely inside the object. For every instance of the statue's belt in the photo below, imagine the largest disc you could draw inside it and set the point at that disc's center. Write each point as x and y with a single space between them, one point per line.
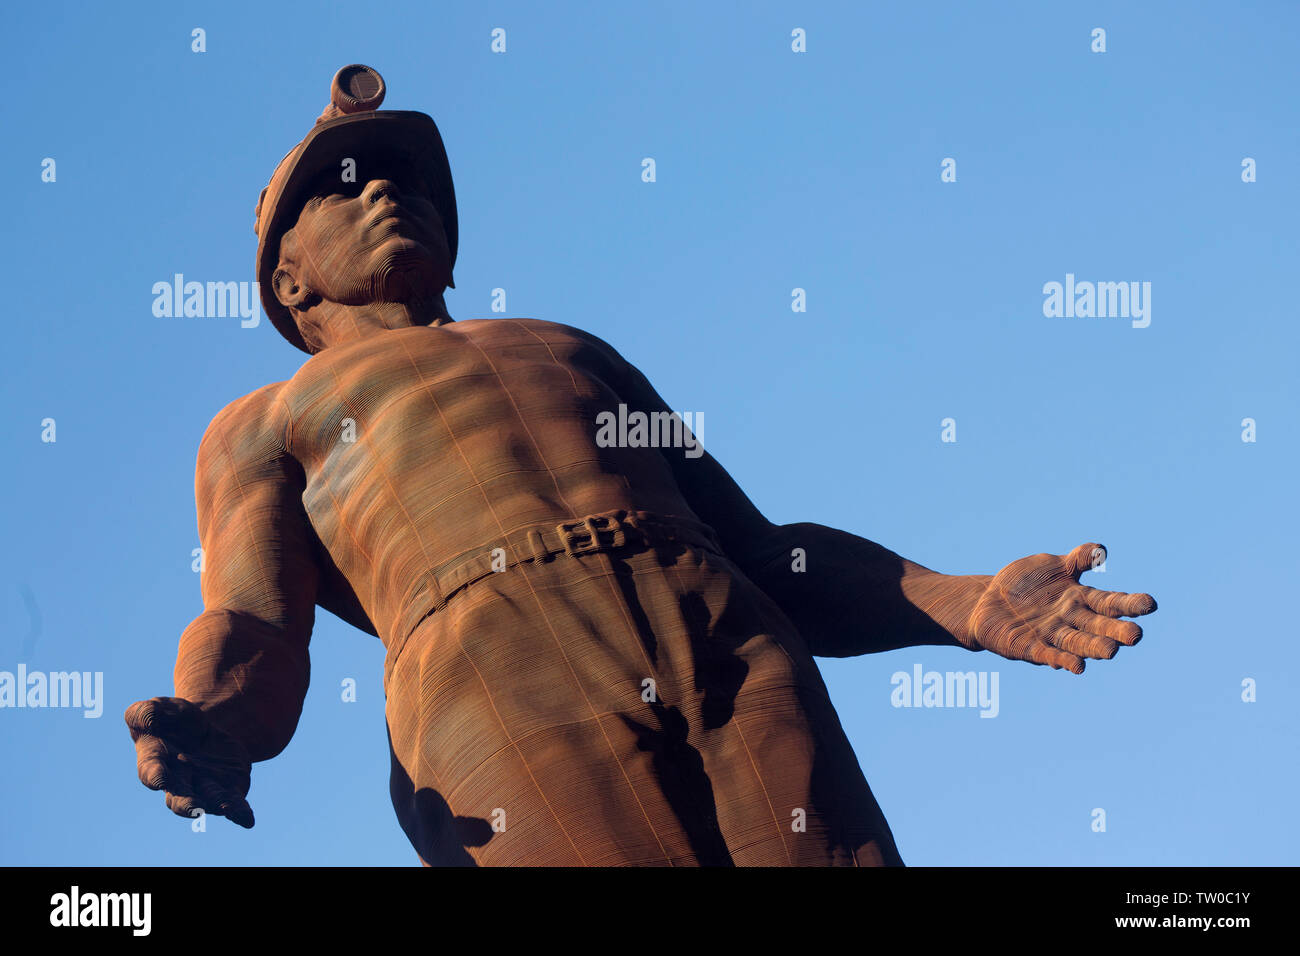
625 531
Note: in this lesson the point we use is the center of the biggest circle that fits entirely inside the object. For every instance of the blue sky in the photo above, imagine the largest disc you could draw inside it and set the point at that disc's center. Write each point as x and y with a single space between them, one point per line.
775 171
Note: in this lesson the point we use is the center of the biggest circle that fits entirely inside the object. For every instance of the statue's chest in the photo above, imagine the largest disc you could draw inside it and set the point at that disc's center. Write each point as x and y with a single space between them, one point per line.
403 408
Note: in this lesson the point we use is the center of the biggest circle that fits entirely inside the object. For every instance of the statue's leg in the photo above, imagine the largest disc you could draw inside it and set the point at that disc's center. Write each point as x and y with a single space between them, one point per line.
787 784
439 838
516 712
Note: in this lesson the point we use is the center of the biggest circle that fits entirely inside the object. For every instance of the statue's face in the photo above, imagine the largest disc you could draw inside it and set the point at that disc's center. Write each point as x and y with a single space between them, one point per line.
379 239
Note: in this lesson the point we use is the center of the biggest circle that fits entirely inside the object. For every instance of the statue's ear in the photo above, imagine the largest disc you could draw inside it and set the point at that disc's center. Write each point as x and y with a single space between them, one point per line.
257 212
288 290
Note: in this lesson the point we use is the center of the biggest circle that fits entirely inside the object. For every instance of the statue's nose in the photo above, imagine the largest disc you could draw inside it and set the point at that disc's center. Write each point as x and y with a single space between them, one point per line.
377 189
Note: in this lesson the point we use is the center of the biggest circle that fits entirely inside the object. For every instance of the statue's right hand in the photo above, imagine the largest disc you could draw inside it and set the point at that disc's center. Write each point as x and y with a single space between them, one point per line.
179 750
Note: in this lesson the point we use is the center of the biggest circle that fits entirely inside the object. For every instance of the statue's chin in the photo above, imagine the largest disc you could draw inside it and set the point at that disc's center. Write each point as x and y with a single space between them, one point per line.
406 274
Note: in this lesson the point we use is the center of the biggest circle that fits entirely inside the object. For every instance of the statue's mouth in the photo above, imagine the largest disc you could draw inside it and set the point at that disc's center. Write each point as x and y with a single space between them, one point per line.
394 218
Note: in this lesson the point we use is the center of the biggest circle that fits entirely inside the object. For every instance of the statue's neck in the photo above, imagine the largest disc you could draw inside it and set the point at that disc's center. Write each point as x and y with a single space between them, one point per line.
327 324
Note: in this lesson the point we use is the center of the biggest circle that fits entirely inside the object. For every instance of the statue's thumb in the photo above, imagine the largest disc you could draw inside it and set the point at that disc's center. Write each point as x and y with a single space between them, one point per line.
1085 557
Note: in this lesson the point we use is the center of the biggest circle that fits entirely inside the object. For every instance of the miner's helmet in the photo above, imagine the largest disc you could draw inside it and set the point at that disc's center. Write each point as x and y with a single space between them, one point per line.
351 128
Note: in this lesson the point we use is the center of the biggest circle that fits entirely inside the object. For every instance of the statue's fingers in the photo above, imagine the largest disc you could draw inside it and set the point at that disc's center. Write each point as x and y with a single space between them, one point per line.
235 809
180 787
1055 658
1127 633
1117 603
1021 643
163 716
154 764
185 805
1016 642
140 719
1084 558
238 811
1083 644
220 800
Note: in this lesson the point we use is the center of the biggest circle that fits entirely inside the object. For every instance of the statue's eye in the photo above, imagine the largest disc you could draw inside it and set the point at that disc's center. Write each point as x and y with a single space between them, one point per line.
328 189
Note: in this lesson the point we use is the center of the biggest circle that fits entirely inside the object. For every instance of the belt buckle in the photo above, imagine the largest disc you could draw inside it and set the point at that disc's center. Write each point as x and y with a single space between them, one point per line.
590 528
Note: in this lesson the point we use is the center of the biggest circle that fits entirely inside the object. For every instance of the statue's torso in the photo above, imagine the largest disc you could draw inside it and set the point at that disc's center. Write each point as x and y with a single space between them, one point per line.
646 707
420 443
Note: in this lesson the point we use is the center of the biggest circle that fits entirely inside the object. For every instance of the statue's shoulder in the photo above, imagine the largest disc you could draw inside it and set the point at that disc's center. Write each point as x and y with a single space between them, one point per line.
248 421
555 333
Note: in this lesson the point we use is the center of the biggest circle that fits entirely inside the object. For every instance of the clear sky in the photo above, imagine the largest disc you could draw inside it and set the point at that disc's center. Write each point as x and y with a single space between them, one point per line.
775 170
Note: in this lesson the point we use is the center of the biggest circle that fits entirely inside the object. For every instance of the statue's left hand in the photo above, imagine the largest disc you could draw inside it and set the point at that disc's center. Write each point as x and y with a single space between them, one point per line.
181 751
1036 610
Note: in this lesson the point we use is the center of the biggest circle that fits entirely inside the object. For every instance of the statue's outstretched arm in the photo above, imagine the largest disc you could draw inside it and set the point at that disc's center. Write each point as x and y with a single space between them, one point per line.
847 595
242 666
